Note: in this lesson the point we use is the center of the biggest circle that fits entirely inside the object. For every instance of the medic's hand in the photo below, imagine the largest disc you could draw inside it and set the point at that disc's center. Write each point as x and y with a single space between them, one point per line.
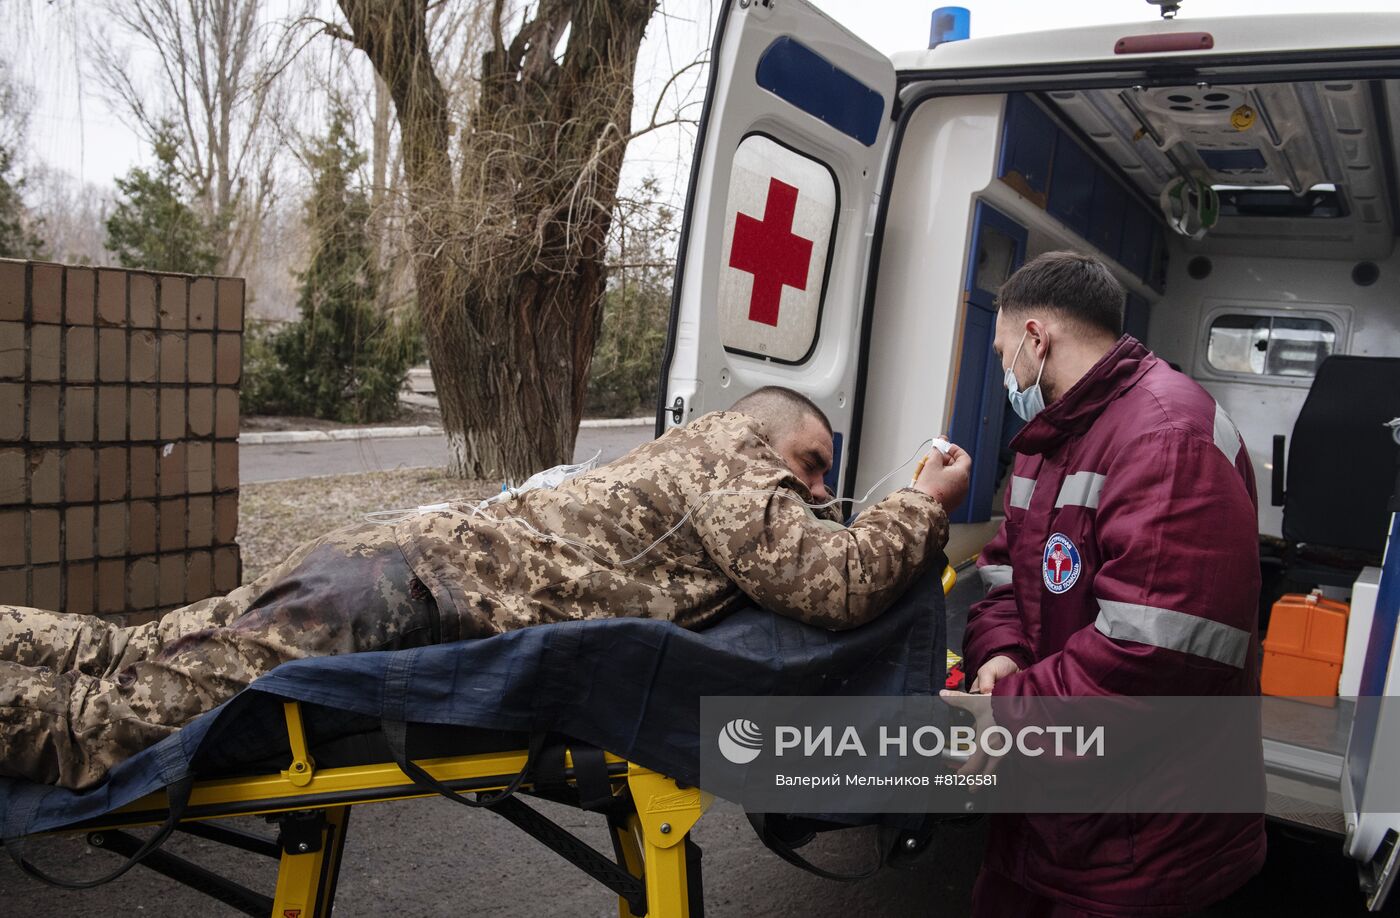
996 668
980 707
946 478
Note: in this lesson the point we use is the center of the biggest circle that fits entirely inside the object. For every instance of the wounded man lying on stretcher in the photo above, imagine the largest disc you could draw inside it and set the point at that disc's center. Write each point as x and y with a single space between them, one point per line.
78 695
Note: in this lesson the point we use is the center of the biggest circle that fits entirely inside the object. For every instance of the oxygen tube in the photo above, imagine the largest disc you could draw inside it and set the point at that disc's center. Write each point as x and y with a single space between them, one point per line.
559 474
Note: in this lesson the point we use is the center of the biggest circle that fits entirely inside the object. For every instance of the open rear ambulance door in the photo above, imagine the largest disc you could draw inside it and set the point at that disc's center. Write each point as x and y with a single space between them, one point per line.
773 256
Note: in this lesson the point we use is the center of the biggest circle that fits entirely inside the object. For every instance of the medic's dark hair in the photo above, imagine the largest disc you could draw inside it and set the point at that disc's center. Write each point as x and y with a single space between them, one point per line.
1077 286
778 407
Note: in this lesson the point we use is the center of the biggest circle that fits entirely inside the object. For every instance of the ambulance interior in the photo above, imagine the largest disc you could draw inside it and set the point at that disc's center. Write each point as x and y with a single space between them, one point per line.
1301 265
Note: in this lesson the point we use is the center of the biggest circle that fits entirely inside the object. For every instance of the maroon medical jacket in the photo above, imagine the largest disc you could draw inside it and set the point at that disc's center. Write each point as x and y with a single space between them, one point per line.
1128 564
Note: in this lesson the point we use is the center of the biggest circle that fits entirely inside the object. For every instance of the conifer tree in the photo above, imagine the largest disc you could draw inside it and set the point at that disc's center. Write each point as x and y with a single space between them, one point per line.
343 359
154 225
19 237
19 228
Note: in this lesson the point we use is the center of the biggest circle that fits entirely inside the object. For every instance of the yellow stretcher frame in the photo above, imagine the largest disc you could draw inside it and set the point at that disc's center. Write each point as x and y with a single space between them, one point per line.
651 841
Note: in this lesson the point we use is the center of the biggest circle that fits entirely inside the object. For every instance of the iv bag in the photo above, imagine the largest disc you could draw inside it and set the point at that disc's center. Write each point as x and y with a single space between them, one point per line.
549 478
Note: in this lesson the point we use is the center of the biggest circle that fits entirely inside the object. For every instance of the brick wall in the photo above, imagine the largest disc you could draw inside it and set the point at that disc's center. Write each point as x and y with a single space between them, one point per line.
118 438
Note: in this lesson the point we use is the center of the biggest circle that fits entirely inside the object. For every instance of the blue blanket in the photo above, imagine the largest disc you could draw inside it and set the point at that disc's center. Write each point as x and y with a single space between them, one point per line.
627 685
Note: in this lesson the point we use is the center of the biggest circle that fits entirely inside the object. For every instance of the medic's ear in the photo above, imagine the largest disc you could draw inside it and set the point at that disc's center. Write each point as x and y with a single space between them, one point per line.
1037 337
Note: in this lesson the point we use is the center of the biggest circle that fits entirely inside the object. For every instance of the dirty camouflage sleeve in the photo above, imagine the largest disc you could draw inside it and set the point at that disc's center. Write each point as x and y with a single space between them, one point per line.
772 546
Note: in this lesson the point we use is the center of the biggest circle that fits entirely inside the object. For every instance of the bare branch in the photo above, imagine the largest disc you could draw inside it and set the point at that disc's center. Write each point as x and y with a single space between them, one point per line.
215 70
701 61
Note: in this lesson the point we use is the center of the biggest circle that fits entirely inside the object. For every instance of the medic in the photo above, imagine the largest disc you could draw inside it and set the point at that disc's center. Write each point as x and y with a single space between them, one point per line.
1128 564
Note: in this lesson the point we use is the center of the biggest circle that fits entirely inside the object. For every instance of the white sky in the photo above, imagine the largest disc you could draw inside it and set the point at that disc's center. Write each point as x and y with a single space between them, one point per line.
74 130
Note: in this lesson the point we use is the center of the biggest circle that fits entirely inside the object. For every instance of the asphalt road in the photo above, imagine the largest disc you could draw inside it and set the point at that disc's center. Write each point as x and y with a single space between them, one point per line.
430 857
281 461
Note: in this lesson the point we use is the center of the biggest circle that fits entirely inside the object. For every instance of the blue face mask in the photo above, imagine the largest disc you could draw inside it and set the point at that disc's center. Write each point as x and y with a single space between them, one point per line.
1030 402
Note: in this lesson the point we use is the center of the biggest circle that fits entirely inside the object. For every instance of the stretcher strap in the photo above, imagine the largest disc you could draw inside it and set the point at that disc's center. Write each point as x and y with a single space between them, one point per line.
396 737
591 776
591 779
394 720
178 796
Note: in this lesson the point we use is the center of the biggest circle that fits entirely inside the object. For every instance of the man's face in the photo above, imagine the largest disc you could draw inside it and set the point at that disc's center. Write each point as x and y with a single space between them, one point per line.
807 452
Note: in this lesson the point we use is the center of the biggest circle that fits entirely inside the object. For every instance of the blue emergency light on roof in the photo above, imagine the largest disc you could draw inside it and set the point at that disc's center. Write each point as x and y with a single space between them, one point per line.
950 23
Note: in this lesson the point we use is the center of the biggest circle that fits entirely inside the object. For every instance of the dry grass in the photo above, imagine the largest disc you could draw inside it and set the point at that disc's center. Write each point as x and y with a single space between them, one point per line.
275 517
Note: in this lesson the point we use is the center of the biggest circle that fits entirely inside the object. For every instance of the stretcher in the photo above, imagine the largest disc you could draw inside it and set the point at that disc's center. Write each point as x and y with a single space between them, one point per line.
655 870
307 743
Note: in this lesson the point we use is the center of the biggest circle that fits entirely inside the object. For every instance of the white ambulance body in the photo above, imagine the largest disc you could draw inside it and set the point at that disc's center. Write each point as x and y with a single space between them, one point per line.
850 218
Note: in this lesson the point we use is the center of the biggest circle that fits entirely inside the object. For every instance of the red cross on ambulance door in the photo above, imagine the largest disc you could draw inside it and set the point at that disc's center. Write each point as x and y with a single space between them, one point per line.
773 264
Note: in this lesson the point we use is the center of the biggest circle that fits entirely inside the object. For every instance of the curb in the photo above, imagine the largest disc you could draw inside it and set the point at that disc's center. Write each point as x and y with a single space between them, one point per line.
616 422
272 437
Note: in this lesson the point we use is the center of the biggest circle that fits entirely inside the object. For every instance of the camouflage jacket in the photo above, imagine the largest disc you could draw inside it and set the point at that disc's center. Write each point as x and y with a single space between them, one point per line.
750 531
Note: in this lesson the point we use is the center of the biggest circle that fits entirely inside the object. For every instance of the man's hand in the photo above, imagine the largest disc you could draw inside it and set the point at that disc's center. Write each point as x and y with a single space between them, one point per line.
946 478
996 668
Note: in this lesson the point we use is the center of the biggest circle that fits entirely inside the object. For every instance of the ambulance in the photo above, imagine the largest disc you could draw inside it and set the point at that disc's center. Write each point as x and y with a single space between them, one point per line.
851 216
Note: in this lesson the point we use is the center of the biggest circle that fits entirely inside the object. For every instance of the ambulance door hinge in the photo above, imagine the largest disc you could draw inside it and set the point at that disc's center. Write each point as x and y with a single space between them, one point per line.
678 410
301 832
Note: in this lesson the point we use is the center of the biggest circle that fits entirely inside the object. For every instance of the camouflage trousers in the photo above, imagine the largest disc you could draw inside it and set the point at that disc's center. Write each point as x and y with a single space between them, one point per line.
79 694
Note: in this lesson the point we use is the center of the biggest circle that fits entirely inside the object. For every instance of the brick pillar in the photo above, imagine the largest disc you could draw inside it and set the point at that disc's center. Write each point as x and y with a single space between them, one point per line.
118 438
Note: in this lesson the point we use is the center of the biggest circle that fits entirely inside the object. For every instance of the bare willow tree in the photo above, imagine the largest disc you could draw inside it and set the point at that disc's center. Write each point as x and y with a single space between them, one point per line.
214 63
457 33
510 221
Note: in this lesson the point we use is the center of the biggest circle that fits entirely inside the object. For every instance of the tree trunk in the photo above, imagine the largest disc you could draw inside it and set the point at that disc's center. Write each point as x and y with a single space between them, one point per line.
509 260
512 400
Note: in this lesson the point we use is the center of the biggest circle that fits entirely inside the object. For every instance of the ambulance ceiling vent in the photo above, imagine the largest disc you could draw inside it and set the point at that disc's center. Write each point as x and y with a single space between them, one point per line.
1207 102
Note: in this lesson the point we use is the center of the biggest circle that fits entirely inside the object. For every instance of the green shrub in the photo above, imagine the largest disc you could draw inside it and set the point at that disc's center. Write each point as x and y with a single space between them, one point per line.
626 364
263 379
627 359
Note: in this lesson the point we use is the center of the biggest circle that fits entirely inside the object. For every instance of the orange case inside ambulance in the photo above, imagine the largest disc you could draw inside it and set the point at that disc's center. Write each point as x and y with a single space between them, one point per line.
1304 646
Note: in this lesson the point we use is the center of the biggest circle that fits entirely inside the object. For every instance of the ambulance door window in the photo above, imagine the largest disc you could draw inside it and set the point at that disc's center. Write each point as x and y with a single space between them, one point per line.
1297 347
979 406
776 255
1262 345
1237 344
